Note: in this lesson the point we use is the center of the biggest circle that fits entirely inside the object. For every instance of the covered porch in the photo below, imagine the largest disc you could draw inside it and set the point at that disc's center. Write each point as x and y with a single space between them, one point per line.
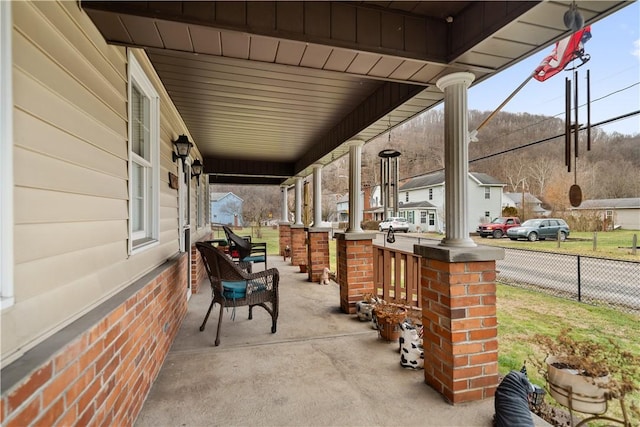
322 367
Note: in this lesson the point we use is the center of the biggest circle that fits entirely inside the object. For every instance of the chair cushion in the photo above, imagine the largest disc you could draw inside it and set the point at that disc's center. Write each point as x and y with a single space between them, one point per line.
254 258
234 290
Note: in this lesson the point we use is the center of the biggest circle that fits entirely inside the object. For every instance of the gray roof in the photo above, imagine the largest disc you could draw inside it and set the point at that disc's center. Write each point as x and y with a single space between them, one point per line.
528 197
410 205
628 203
437 178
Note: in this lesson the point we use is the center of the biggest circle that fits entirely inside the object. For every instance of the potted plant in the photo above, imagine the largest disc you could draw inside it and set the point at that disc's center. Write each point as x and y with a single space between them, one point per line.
388 317
584 374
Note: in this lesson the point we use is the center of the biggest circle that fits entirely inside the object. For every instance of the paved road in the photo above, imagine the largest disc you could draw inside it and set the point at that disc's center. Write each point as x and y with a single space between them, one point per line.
601 280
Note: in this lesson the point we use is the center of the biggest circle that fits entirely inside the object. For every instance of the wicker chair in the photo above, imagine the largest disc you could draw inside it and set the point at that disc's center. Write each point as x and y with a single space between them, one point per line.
233 287
244 251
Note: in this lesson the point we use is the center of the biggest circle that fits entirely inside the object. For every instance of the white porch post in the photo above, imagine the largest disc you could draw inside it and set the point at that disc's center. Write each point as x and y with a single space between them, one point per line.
298 201
456 140
317 195
355 185
285 204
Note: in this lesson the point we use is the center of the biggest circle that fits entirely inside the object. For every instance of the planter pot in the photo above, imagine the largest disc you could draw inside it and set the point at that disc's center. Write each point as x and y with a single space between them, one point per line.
364 311
567 384
389 328
303 268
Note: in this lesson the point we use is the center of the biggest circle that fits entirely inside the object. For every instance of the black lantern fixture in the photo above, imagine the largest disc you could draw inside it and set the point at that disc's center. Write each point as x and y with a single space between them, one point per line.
196 170
183 147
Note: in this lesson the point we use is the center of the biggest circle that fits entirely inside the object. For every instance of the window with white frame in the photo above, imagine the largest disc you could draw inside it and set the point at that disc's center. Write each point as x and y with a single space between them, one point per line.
431 194
144 159
432 219
6 158
423 217
487 192
406 196
199 203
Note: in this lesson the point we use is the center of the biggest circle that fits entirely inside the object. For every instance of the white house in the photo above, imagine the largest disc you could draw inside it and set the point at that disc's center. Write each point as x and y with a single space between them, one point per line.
226 209
422 200
532 203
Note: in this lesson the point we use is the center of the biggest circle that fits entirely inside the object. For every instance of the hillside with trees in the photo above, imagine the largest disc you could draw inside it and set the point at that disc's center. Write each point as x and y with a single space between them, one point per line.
532 154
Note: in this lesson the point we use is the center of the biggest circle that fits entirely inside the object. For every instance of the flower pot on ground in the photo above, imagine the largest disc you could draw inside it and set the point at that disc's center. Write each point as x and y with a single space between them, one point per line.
584 374
388 318
571 388
303 268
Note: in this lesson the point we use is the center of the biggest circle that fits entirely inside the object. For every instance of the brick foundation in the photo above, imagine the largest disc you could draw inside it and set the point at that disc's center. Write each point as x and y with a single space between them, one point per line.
99 369
460 324
298 245
354 253
284 232
198 272
317 253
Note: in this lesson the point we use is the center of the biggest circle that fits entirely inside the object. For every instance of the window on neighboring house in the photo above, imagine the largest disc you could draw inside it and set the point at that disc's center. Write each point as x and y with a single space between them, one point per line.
6 158
487 192
406 196
144 133
431 194
487 214
432 219
423 217
609 214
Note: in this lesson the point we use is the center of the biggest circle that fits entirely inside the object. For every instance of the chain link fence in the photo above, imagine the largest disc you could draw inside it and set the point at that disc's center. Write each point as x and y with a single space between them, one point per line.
597 281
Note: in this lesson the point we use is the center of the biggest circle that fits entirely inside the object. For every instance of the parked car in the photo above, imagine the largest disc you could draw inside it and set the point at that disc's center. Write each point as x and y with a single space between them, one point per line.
498 227
542 228
397 223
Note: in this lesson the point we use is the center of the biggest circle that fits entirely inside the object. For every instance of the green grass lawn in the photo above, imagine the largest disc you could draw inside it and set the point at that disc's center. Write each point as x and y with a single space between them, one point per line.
611 244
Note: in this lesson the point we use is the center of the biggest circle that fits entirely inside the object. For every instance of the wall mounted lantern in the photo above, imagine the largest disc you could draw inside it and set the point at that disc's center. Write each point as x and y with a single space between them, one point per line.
183 147
196 170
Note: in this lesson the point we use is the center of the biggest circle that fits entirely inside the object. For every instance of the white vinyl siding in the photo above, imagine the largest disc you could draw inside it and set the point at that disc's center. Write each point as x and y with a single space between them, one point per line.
144 129
6 158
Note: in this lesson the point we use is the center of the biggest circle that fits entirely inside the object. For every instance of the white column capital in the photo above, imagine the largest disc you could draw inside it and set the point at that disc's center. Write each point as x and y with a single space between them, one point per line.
355 142
455 78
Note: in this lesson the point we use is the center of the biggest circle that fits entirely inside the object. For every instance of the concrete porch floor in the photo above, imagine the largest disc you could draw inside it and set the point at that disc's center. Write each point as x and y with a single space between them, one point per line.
321 368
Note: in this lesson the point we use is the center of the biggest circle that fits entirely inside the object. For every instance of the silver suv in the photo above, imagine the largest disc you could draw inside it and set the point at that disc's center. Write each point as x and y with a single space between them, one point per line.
397 223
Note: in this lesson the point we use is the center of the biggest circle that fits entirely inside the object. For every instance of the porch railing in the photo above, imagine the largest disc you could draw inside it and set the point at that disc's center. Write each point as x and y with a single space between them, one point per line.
396 276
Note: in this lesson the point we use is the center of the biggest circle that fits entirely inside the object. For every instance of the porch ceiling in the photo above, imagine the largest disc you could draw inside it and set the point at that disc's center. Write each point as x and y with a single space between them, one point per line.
267 89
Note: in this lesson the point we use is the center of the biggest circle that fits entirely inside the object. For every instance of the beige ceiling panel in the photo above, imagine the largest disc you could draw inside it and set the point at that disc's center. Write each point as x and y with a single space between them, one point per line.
175 35
235 45
385 67
339 60
205 40
549 15
522 32
290 52
363 63
263 49
479 59
504 48
428 74
142 30
315 56
406 70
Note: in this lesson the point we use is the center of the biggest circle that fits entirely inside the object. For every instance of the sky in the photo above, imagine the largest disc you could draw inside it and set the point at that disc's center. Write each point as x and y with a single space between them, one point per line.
614 64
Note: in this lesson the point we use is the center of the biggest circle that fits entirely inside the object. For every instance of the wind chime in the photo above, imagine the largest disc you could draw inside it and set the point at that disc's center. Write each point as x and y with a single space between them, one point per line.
575 193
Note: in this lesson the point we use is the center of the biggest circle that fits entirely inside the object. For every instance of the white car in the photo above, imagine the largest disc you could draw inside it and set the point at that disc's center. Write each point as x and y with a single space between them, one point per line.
396 223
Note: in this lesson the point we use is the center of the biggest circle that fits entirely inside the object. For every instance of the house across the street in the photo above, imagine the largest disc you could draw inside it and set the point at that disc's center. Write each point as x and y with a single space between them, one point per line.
622 213
226 209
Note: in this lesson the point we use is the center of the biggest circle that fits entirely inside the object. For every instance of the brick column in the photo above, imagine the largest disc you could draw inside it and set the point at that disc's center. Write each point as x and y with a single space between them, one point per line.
459 318
284 231
298 245
354 253
317 252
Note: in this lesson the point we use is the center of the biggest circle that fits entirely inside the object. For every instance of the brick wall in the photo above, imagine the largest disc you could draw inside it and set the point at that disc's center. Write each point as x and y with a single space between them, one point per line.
317 254
460 328
355 268
102 375
198 272
298 245
284 233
